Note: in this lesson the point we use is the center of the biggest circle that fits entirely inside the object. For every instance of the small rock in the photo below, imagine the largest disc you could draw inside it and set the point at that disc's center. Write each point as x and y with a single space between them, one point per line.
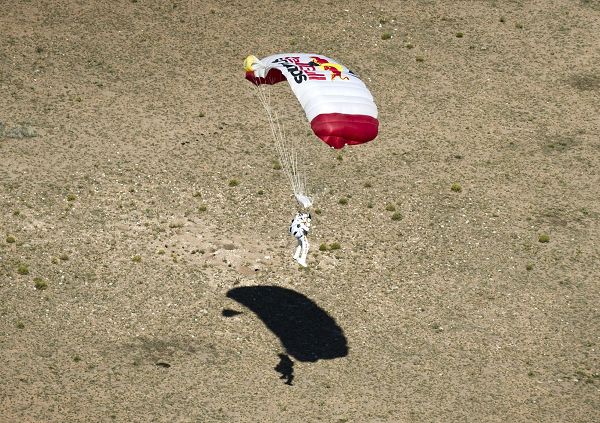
20 131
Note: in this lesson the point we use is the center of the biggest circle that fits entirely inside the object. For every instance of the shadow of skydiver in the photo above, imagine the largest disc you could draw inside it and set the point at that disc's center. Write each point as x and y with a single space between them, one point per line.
286 368
306 331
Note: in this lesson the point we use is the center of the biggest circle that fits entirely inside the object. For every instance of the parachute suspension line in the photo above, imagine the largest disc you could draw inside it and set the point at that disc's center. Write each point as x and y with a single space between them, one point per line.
287 149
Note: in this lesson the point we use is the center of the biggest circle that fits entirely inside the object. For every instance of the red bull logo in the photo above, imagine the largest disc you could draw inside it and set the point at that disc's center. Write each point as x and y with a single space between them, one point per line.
313 70
335 68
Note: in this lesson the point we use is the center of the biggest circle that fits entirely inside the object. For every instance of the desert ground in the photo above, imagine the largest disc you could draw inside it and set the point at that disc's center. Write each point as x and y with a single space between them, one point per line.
145 264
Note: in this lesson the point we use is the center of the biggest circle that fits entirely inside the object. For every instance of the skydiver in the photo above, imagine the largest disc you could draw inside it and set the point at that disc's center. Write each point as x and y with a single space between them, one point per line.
299 228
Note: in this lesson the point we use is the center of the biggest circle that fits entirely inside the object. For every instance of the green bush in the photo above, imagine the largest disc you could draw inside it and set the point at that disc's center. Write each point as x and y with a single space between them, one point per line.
397 216
40 284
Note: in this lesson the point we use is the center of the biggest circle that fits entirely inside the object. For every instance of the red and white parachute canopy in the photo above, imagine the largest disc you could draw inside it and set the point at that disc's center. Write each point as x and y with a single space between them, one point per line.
337 104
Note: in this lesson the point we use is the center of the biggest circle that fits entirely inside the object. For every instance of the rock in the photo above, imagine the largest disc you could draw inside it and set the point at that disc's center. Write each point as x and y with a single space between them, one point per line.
20 131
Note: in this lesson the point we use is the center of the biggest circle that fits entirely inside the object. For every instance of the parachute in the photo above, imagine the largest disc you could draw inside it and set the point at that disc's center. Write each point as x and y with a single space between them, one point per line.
338 105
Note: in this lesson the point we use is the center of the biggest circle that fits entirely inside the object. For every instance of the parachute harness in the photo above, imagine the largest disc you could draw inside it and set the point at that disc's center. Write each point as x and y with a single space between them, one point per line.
299 228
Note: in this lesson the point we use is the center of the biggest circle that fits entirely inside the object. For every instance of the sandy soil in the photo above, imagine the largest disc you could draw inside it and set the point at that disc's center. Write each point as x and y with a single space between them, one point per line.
138 285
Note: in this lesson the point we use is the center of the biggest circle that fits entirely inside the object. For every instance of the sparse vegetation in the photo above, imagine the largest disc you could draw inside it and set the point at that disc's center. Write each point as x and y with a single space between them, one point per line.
10 239
136 259
390 207
23 269
459 35
386 35
456 187
420 59
202 208
335 246
343 201
234 182
544 238
397 216
323 247
71 197
40 284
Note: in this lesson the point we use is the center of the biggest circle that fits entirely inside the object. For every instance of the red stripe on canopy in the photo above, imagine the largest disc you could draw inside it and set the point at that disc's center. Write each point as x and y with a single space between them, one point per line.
338 129
273 77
